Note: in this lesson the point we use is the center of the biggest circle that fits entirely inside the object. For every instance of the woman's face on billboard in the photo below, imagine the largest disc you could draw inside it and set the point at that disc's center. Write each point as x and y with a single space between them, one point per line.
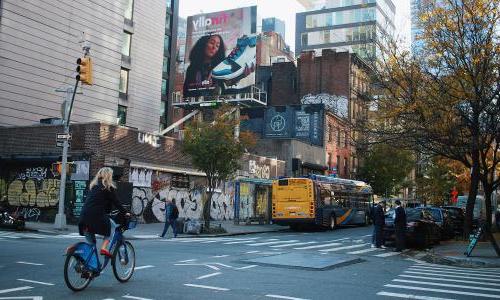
212 47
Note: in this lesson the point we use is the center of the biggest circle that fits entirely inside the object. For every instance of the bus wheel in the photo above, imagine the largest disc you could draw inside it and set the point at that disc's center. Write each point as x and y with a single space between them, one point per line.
333 222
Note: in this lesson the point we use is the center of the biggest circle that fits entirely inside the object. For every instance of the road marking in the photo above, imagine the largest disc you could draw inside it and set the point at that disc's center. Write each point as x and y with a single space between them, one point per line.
223 265
147 236
220 256
492 270
250 252
209 275
293 244
144 267
209 266
449 285
447 279
206 287
187 260
387 254
28 263
441 291
451 276
409 296
208 242
284 297
464 271
35 236
271 243
24 297
16 289
241 241
247 267
136 298
454 272
364 251
39 282
318 246
343 248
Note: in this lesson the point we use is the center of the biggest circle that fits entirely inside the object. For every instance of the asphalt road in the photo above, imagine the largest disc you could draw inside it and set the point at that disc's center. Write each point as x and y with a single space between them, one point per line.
284 265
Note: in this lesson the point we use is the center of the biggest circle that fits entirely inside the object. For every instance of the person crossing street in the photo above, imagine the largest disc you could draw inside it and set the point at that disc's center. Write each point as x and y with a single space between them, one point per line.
171 215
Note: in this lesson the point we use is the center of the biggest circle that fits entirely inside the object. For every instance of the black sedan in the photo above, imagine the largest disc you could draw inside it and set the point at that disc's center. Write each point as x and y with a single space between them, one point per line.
421 229
442 219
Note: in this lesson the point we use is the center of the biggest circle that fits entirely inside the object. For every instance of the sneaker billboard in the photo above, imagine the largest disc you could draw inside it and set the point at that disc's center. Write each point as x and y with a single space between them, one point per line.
220 52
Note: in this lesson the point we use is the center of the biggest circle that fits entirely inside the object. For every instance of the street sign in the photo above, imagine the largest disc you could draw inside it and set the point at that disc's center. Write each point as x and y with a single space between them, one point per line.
63 136
60 144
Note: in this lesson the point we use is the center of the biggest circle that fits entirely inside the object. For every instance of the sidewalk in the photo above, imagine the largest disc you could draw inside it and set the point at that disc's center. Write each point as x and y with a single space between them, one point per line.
151 230
452 253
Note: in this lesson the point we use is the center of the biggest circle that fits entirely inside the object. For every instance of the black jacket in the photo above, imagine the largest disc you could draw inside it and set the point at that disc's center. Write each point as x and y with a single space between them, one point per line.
378 215
400 217
99 203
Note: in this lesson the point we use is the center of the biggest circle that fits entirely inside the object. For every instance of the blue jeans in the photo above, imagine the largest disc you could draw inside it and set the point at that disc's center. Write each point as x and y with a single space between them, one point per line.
167 224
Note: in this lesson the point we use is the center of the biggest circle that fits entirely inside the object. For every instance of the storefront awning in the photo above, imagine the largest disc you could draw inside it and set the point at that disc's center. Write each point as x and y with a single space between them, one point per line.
170 169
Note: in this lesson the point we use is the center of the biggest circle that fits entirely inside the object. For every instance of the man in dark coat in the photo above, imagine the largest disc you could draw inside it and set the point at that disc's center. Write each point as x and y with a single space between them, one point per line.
171 215
400 226
378 223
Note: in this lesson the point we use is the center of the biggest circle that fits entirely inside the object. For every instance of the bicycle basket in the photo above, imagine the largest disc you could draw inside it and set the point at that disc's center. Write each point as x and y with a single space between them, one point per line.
132 223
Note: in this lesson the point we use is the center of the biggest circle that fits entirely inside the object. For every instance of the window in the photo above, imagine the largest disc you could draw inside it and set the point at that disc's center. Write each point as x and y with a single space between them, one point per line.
329 133
346 165
338 163
338 137
166 44
304 39
166 64
164 87
169 4
329 160
346 139
121 115
129 9
167 22
127 38
162 108
123 88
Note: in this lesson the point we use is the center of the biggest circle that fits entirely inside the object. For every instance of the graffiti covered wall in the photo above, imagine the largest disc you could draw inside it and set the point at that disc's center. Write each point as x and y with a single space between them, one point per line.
188 193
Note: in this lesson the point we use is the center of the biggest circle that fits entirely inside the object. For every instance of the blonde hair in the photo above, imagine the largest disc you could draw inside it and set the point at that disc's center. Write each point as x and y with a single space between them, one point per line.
106 176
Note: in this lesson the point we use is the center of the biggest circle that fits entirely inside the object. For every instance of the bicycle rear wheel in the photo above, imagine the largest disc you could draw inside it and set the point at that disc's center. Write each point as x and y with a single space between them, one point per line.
76 275
123 261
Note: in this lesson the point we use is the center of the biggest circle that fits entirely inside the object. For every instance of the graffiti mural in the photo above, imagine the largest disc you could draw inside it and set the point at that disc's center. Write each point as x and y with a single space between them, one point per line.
149 202
247 200
31 192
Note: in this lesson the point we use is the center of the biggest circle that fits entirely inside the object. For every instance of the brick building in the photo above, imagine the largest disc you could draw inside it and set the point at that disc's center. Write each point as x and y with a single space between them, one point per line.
153 169
336 79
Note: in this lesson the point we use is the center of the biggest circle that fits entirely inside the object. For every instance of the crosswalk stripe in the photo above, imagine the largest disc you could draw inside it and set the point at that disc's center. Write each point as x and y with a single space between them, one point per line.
241 242
318 246
450 280
451 276
343 248
468 287
442 291
489 270
469 271
272 243
409 296
293 244
453 272
387 254
364 251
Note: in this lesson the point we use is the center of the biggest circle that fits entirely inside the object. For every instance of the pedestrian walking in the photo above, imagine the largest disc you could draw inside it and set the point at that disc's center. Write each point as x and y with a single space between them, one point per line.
171 215
400 226
378 223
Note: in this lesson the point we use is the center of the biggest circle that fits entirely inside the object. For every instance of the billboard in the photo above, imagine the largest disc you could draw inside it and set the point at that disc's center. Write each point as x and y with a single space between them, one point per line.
303 122
220 52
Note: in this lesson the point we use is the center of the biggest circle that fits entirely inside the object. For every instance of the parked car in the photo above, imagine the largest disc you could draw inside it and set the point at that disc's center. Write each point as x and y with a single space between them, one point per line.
457 218
421 229
442 219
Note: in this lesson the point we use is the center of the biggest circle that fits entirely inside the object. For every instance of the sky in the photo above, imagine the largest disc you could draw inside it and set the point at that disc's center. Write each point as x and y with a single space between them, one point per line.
285 10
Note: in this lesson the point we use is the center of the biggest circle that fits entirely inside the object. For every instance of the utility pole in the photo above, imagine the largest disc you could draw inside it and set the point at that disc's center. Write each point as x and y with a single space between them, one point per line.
69 98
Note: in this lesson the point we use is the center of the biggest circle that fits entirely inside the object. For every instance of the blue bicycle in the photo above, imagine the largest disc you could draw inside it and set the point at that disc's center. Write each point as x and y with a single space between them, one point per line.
82 263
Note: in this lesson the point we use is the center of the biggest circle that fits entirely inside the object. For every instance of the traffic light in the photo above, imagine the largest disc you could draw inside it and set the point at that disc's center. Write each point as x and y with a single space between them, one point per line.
56 168
84 70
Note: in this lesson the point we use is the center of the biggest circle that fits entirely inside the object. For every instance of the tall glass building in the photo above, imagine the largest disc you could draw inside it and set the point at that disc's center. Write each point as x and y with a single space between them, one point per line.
345 25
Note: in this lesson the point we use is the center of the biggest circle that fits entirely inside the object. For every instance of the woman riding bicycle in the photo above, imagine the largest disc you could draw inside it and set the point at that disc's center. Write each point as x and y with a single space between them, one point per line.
94 218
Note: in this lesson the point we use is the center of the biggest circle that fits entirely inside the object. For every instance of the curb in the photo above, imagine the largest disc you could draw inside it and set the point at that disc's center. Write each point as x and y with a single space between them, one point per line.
210 235
466 262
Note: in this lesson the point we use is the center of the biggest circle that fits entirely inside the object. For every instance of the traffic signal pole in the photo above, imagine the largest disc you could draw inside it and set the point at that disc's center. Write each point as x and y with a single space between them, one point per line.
60 221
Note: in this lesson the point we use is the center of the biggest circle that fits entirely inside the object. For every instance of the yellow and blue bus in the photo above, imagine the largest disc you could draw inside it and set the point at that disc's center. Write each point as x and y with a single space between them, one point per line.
321 200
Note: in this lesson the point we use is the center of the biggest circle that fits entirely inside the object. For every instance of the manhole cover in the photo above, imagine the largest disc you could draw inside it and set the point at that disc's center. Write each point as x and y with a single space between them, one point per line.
305 261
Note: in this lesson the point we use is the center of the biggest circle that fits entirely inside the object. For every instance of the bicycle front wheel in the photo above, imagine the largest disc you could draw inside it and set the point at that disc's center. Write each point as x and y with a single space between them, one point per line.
76 275
123 261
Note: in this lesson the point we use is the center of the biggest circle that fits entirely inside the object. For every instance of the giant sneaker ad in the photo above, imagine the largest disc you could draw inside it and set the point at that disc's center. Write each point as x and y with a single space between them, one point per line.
220 52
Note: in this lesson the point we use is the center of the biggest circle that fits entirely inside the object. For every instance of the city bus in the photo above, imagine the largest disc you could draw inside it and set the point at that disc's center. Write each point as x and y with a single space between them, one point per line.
322 201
